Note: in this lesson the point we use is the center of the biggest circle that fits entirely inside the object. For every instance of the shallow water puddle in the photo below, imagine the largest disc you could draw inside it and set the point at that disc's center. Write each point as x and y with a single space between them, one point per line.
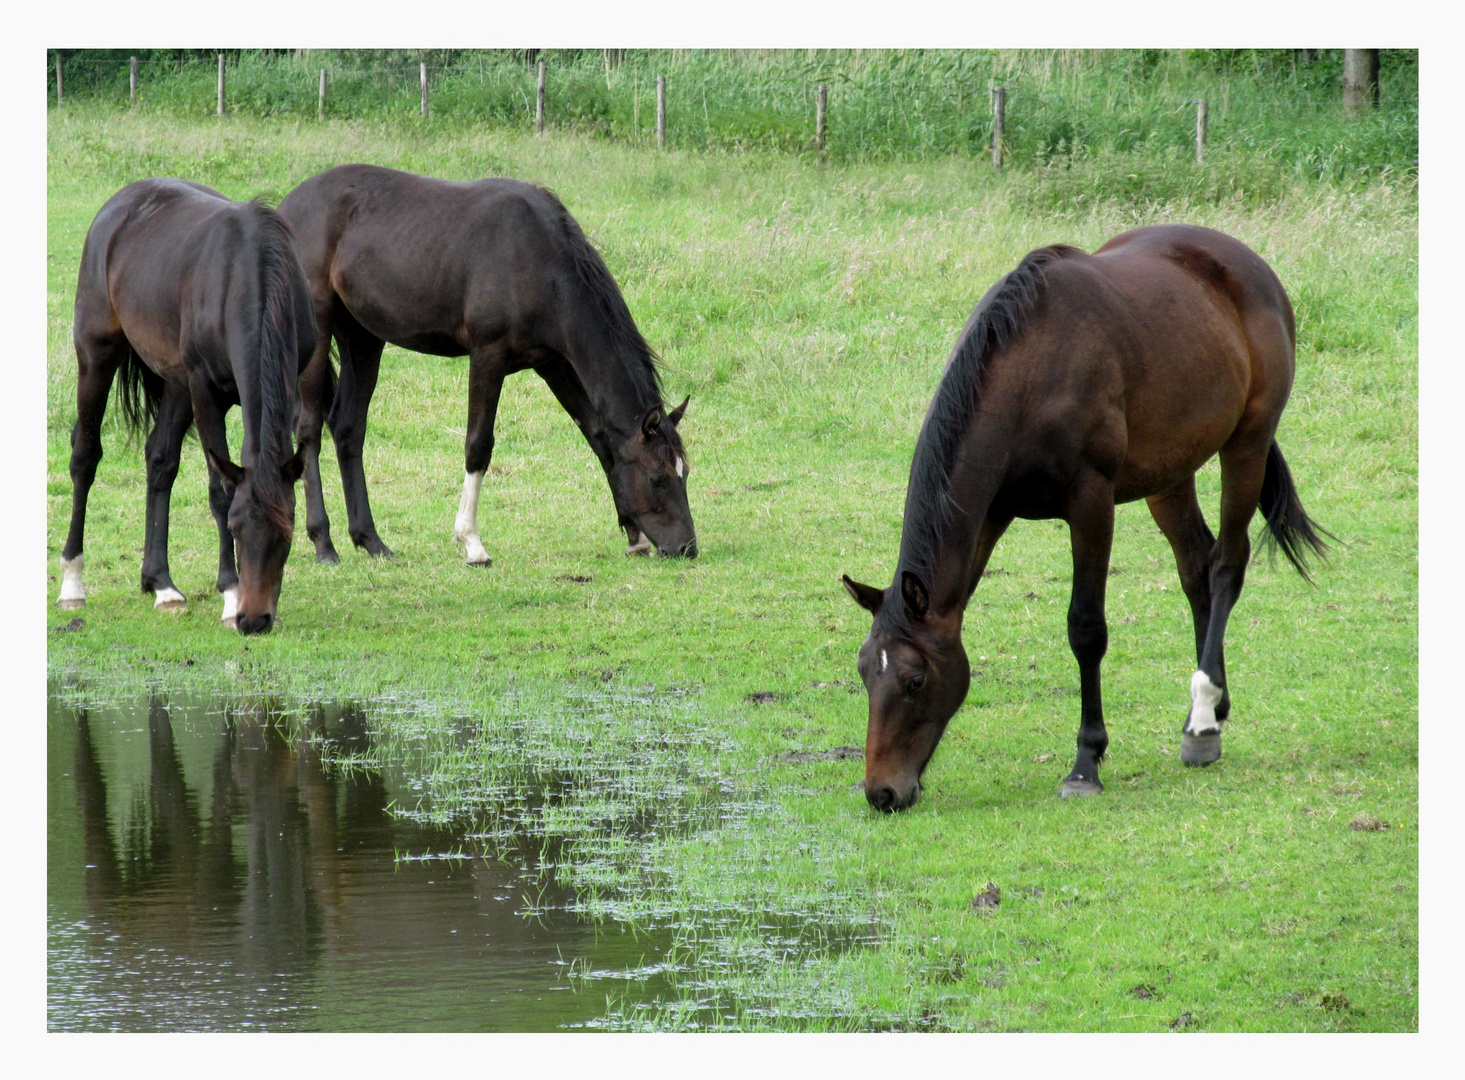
207 871
243 866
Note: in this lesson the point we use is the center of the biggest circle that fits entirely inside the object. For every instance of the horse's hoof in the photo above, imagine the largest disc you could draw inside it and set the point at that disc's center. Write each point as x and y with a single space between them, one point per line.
1200 749
382 552
484 562
643 549
230 622
327 558
1074 787
172 607
71 604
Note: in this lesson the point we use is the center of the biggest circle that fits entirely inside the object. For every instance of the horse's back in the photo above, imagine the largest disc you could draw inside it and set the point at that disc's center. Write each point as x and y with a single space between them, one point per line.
428 263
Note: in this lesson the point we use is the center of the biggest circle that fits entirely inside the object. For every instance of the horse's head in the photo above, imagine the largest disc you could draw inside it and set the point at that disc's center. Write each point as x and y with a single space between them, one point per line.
916 673
648 479
262 519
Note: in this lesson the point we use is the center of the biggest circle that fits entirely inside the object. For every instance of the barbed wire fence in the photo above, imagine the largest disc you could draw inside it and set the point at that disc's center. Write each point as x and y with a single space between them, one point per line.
819 108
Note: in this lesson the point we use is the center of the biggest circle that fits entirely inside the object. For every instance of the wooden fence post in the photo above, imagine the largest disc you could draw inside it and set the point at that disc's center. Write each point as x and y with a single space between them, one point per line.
821 112
424 90
539 103
999 115
220 109
58 82
132 80
320 102
661 112
1202 123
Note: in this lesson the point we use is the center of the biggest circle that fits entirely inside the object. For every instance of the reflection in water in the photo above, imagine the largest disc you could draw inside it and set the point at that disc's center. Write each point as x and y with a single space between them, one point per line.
208 872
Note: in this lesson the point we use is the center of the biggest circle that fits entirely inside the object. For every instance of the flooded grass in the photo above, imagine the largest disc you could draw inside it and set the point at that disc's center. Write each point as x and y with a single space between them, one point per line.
250 863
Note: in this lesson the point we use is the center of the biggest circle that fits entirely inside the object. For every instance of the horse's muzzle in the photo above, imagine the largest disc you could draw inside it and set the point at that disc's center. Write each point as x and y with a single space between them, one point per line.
255 624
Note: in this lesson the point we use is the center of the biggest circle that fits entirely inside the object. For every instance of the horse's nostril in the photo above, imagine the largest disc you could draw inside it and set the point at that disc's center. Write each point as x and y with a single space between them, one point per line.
882 798
255 624
690 548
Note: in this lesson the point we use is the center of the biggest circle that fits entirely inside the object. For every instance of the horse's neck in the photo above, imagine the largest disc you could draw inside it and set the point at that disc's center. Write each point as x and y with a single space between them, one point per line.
975 481
618 392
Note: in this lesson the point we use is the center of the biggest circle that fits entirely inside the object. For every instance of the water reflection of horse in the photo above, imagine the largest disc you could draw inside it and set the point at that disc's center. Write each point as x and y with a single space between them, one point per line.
201 304
499 271
279 873
1079 382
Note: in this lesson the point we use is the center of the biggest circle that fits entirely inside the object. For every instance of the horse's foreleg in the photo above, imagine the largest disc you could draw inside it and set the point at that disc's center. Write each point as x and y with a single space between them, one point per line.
486 371
316 389
361 355
1242 468
175 414
1091 534
209 418
1178 514
96 366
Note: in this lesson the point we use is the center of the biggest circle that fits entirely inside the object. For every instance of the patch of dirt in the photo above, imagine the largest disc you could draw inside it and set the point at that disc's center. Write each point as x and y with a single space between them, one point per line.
838 753
1145 992
763 697
70 628
578 579
1367 823
1040 758
1183 1021
1335 1002
989 899
843 684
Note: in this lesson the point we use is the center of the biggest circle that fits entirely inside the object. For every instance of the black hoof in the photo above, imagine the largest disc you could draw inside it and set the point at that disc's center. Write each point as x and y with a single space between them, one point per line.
1076 787
327 557
1200 749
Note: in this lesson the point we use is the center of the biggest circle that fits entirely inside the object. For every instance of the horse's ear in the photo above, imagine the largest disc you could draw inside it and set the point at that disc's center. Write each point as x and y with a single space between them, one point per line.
913 592
231 473
294 468
651 425
867 596
676 414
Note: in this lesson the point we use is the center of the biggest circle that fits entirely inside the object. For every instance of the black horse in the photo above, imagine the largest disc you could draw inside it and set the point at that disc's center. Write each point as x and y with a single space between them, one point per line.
201 304
497 270
1079 382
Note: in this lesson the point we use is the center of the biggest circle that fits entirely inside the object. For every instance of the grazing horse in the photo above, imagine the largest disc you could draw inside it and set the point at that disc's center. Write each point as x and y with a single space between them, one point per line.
201 304
497 270
1079 382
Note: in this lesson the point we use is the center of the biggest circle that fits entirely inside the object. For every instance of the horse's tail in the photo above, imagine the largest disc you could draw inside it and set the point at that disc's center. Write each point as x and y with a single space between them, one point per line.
139 390
1287 525
279 354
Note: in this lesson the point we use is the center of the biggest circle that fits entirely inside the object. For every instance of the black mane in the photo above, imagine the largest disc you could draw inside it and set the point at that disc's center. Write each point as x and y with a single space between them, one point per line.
595 276
276 359
928 504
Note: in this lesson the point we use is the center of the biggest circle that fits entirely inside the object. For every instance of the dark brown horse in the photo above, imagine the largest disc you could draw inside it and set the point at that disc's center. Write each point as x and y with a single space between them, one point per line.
201 304
1079 382
497 270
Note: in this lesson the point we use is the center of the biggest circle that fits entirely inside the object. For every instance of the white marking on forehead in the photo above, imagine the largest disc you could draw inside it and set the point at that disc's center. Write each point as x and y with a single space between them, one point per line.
884 660
681 466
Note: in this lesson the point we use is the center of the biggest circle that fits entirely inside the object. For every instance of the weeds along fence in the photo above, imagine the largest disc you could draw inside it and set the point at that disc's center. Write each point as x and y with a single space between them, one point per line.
1055 107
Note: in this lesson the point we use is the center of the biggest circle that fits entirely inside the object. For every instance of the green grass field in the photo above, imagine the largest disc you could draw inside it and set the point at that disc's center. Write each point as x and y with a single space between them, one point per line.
808 309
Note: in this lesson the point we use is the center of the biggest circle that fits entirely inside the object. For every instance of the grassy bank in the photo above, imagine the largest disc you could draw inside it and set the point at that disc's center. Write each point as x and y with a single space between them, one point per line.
808 308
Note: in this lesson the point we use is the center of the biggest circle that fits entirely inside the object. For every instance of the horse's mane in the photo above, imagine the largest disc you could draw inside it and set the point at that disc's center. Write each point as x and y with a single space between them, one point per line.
929 507
595 276
277 358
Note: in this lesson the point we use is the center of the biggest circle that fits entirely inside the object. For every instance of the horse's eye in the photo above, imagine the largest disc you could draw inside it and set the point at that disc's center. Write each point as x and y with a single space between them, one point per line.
915 684
658 479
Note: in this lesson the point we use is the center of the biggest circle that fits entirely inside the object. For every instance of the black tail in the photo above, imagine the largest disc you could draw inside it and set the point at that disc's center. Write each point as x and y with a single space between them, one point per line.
139 390
1287 525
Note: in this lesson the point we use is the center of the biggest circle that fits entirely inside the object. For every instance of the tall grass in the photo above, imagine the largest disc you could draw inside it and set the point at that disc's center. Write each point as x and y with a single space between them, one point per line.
1065 108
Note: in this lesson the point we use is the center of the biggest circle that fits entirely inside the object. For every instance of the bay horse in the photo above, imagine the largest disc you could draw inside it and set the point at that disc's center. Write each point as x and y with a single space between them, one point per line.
1079 382
201 304
498 270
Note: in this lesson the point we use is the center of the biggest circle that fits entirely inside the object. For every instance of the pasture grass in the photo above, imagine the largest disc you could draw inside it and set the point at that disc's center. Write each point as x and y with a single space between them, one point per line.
808 308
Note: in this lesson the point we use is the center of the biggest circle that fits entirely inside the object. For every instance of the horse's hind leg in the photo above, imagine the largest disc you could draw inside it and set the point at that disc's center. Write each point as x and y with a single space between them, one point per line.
97 359
1178 514
317 387
1243 465
361 355
1091 533
175 414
